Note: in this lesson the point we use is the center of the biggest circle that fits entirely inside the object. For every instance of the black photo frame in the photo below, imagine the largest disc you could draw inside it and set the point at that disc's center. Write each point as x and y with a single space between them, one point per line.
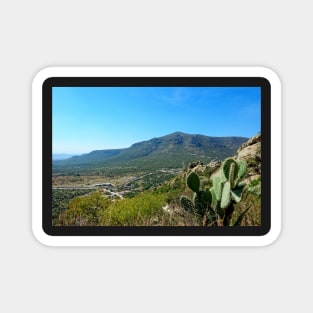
162 81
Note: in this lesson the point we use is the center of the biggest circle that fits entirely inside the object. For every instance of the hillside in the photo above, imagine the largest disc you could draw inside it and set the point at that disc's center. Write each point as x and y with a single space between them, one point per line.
250 152
152 198
171 151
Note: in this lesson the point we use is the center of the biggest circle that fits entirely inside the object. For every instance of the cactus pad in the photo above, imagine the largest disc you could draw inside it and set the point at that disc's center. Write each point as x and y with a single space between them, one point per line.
193 182
226 199
187 204
230 170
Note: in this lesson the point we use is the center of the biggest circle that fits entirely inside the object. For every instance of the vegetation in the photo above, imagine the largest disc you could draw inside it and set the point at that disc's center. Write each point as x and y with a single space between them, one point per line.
160 207
172 151
145 209
97 210
84 211
61 200
215 205
251 198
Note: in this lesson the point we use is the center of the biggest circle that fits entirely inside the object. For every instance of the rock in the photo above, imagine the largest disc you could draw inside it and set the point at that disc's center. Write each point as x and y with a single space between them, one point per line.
251 153
206 169
194 164
253 140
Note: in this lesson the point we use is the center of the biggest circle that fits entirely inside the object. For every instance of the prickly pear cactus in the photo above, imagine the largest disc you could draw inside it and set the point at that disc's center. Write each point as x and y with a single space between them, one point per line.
216 204
200 204
232 174
193 182
187 204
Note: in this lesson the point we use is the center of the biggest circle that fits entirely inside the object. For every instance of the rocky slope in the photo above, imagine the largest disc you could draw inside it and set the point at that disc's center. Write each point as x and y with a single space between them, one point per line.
249 151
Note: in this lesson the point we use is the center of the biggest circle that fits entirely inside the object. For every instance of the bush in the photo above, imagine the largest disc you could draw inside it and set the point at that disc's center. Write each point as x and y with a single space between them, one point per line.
144 209
85 211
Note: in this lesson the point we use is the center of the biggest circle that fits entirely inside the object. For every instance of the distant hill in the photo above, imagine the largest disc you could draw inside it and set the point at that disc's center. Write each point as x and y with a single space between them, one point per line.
61 156
174 150
92 157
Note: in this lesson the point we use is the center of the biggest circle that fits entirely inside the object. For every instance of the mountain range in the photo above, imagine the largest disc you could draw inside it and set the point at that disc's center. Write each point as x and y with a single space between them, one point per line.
61 156
170 151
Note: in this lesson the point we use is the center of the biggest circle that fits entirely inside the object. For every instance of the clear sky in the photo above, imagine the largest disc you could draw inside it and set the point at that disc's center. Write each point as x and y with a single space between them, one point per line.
94 118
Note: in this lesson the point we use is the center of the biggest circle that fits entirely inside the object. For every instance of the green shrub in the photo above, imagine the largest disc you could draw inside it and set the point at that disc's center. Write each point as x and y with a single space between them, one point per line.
84 211
143 209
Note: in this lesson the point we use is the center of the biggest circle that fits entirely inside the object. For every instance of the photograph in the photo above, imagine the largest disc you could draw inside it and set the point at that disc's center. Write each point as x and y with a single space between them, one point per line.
155 156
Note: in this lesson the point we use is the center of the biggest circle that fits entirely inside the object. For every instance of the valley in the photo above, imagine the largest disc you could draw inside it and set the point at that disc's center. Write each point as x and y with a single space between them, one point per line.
67 187
115 186
107 187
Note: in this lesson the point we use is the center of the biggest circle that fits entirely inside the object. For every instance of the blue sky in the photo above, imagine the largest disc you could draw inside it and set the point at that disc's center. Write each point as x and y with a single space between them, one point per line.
94 118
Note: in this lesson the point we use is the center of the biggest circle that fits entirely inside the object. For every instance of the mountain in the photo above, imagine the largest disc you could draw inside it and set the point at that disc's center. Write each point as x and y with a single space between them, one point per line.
173 150
92 157
183 145
61 156
249 151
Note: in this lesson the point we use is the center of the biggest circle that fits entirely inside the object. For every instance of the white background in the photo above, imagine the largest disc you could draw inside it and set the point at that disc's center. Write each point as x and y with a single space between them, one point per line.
37 34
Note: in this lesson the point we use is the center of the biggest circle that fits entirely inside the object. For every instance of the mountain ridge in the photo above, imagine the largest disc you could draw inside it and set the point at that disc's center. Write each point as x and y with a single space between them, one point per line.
171 150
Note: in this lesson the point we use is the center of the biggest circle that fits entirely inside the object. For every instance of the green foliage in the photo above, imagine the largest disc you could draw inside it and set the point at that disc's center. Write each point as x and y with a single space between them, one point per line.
193 182
236 193
217 188
61 200
226 195
172 190
96 210
251 198
187 204
255 187
230 171
233 172
199 205
242 169
143 209
84 211
215 205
